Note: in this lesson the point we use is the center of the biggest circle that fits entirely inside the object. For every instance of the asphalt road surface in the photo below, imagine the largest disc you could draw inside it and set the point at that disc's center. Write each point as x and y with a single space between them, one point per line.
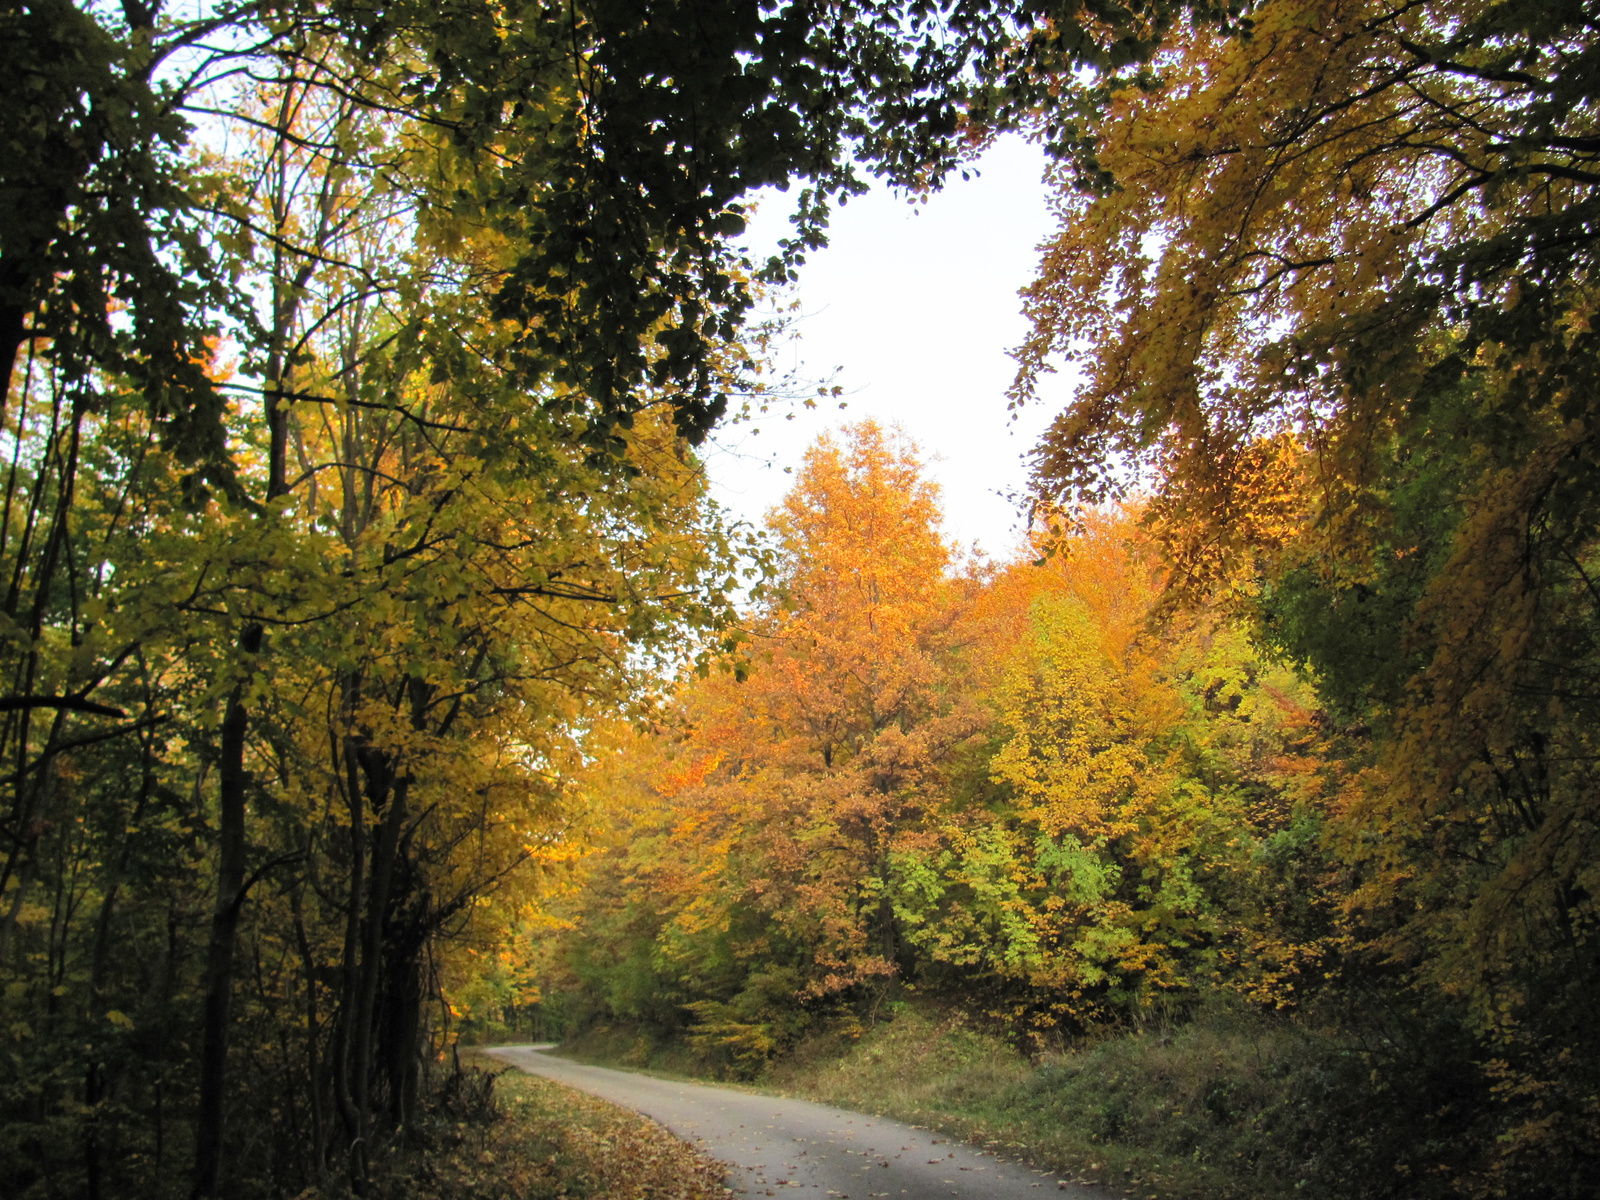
795 1148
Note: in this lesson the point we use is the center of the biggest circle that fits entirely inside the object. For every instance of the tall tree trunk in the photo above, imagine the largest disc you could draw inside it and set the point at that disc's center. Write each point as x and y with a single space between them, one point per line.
93 1087
344 1048
232 782
384 853
317 1073
403 1020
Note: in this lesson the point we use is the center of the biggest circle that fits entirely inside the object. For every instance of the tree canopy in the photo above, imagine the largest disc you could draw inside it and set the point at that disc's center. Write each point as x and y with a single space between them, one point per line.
1334 300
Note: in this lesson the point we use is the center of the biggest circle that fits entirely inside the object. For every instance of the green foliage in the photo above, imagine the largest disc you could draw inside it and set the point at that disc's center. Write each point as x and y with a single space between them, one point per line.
1231 1101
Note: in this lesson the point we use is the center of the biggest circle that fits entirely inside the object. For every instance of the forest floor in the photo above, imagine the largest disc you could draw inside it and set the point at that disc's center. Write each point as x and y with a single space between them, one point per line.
548 1142
1208 1111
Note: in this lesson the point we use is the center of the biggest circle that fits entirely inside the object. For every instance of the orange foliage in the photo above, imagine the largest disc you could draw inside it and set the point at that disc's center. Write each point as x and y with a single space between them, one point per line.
1007 774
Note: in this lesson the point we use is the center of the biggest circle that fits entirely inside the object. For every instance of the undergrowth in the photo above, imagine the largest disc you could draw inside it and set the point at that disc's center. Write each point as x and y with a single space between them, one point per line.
644 1048
1232 1103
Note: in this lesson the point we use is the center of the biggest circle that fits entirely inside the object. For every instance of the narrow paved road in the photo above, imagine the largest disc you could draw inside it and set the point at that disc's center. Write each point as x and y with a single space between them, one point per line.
793 1147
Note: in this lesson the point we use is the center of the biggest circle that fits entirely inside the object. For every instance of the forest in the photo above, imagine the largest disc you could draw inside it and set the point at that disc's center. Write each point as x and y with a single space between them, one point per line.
379 674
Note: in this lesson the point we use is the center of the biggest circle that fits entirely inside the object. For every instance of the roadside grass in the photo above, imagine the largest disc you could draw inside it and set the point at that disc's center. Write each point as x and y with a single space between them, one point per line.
1229 1105
527 1138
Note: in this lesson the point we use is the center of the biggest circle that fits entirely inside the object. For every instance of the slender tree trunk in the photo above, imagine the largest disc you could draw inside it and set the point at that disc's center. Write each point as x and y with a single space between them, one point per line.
317 1074
232 782
93 1090
92 1159
344 1051
231 829
8 920
96 1085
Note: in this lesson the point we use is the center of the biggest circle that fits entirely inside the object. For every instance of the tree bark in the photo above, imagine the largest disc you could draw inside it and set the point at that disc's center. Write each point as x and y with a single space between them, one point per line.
233 780
384 853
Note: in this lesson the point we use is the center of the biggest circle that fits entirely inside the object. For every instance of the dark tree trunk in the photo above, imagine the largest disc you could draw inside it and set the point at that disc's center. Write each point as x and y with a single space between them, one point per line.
401 1020
344 1047
13 332
384 854
232 782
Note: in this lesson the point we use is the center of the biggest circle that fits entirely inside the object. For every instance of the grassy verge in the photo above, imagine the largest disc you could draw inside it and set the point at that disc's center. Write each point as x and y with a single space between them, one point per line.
1231 1105
537 1140
1210 1109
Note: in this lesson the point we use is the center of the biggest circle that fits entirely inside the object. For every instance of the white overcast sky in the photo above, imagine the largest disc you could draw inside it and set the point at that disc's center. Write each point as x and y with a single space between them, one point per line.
915 307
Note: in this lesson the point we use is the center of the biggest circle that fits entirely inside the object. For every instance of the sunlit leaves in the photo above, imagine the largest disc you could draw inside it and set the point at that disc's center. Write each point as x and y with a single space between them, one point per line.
1011 783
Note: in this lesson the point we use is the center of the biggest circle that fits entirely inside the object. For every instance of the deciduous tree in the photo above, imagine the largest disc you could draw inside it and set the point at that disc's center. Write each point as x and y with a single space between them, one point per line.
1335 296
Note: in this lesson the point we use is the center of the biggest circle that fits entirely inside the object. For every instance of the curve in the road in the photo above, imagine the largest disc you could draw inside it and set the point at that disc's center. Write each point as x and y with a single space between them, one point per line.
781 1147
